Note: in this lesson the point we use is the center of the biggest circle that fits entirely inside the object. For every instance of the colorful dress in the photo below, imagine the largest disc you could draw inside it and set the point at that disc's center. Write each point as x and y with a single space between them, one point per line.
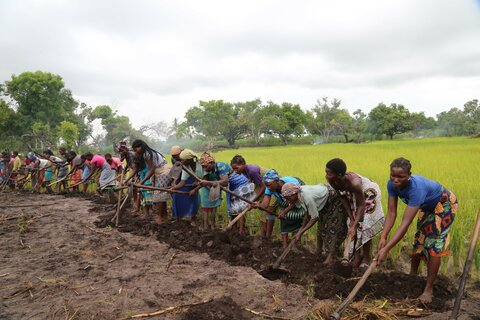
240 185
277 202
220 169
437 209
373 219
147 195
160 178
107 176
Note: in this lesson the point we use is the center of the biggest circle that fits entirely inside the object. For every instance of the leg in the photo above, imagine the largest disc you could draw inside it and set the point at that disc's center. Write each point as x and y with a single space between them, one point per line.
212 218
270 225
241 223
367 251
415 263
432 270
284 240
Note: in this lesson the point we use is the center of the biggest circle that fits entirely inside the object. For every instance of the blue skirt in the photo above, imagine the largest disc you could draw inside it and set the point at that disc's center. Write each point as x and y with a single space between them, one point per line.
184 205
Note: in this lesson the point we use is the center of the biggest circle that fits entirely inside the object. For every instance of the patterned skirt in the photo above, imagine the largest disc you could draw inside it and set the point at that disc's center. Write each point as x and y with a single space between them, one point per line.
161 179
332 223
433 227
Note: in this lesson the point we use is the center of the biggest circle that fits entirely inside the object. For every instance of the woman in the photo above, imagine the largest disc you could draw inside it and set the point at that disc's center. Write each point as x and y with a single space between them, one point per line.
146 196
434 205
254 174
76 171
97 163
362 199
214 173
274 201
242 187
319 203
158 174
128 158
186 205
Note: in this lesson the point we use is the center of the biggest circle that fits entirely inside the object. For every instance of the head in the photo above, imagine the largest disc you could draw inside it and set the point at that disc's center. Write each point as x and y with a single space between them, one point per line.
47 153
31 156
88 156
62 151
272 180
291 192
139 147
122 147
15 153
400 172
187 157
238 163
5 156
335 170
175 152
207 161
108 157
71 155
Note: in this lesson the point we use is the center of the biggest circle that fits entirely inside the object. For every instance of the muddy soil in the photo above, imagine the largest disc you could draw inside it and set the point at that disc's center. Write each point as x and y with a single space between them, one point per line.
67 261
55 264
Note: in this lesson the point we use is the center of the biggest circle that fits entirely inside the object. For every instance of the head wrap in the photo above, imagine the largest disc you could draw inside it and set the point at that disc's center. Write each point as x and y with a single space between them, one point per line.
271 175
290 189
31 156
206 158
121 144
175 150
188 154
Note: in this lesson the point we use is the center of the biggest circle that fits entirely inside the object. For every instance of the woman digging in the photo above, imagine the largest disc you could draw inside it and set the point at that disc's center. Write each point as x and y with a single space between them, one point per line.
254 174
435 207
273 200
318 203
106 180
158 174
213 173
362 199
186 205
76 165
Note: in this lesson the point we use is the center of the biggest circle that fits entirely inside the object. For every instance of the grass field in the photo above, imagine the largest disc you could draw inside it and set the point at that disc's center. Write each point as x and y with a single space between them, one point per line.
454 162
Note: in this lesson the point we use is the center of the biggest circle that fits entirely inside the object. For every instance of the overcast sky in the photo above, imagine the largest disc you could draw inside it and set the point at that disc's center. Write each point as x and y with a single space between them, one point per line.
152 60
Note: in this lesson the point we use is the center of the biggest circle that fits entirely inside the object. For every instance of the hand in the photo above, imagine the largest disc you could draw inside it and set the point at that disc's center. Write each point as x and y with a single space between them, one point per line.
381 255
192 193
298 236
381 244
255 204
281 215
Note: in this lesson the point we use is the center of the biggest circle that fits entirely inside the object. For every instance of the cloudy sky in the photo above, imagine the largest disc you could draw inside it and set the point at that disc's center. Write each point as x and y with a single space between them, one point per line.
152 60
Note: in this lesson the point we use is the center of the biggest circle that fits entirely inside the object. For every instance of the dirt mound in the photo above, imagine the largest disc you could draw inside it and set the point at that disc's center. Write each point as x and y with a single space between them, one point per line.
300 266
223 308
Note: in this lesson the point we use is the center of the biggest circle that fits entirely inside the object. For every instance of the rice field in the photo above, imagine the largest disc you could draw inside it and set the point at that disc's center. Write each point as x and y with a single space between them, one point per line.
454 162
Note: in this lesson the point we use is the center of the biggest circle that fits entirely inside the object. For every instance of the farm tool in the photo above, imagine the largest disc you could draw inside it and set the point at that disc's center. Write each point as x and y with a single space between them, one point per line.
466 268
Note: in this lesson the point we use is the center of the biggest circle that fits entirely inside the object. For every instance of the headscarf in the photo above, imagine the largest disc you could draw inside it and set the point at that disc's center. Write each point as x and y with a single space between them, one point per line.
271 175
188 154
206 158
175 150
290 189
31 156
121 144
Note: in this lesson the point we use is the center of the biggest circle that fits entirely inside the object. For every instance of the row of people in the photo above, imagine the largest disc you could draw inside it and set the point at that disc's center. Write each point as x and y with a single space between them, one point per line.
348 204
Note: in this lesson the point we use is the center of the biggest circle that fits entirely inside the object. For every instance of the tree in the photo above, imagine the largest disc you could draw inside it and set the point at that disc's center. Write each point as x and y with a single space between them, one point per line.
471 109
359 125
390 120
117 127
327 118
68 132
452 122
283 120
250 118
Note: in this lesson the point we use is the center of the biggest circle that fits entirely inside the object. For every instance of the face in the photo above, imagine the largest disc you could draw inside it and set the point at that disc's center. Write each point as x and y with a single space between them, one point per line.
176 157
399 177
138 150
109 160
292 199
274 185
123 150
238 168
331 176
208 167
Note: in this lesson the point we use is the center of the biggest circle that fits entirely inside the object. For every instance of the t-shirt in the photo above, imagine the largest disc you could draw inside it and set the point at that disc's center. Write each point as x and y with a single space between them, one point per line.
276 194
313 199
97 161
17 163
116 163
77 161
419 192
198 172
43 163
253 173
157 158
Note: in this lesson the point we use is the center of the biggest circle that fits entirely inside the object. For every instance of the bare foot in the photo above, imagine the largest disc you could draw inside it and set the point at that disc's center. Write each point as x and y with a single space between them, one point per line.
426 297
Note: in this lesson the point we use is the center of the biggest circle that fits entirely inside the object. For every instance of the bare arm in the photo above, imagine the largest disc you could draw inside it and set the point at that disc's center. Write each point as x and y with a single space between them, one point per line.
391 217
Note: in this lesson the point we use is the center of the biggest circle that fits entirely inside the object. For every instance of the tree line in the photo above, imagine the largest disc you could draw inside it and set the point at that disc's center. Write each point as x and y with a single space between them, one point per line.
38 111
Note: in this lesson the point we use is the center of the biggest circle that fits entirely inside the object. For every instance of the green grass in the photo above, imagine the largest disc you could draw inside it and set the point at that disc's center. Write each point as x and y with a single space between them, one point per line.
454 162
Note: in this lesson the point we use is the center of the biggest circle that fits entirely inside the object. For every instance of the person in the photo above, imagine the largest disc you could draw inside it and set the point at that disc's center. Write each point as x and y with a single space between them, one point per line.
318 203
254 174
106 180
61 167
6 172
362 199
17 164
86 173
215 173
128 159
145 196
435 207
158 173
49 169
76 165
274 201
242 187
187 205
114 163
